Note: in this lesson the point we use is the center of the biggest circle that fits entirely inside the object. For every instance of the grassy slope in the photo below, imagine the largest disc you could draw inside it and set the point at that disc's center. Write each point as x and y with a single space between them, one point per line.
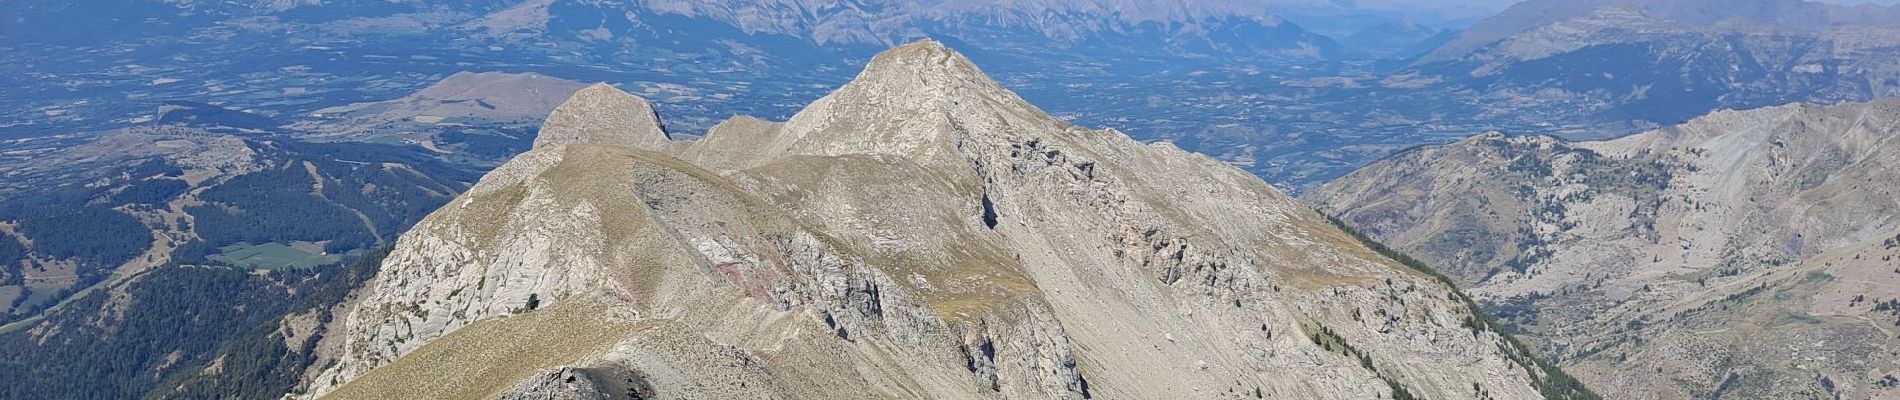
490 356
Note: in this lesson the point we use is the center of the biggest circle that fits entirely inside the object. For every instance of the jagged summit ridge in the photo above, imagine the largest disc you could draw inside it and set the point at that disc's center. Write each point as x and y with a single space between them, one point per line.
604 114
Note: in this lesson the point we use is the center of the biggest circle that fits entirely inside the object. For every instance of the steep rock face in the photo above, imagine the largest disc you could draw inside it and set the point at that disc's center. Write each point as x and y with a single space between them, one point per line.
921 232
1715 251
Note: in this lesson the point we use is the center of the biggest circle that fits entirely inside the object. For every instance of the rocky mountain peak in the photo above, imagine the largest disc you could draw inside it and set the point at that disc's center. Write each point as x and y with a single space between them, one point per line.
603 114
921 232
924 61
925 75
919 100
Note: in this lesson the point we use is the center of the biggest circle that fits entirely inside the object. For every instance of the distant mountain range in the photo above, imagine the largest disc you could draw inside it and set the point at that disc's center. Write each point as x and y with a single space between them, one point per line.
1573 69
1662 62
1205 28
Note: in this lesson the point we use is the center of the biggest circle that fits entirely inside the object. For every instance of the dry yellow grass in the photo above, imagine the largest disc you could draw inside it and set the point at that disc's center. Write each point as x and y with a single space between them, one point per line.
490 356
